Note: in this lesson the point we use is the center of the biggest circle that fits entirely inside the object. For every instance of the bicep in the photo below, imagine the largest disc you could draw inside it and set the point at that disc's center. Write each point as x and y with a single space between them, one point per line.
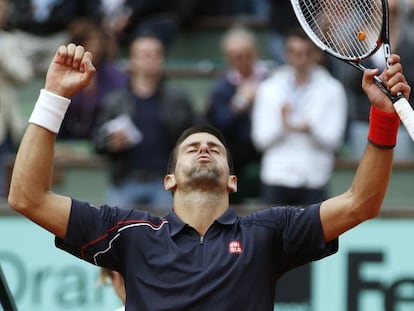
52 214
337 216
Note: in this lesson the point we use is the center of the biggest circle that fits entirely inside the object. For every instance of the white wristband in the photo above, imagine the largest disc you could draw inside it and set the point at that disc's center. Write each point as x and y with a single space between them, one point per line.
49 111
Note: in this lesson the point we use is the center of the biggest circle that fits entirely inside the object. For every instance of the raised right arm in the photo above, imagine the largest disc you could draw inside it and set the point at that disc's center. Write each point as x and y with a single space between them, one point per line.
30 189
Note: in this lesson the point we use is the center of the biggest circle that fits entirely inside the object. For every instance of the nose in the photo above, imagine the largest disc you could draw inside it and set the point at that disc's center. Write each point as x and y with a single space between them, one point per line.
204 148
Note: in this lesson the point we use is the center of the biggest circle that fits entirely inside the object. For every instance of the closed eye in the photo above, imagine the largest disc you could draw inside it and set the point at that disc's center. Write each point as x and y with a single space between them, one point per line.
212 147
191 150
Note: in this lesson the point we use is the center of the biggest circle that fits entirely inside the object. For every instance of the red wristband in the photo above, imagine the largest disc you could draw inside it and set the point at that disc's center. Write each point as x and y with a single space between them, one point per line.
383 128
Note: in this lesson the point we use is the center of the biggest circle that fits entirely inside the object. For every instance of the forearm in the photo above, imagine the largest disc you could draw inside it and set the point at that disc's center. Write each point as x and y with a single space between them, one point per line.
330 135
364 198
370 182
267 125
33 168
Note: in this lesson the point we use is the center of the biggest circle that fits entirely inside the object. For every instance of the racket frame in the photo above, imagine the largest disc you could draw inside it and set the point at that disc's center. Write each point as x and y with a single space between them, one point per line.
401 105
382 41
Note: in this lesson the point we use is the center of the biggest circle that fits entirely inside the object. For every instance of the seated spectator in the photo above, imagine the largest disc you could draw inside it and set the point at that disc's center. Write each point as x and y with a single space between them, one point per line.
114 18
15 70
231 101
41 25
85 106
143 119
133 18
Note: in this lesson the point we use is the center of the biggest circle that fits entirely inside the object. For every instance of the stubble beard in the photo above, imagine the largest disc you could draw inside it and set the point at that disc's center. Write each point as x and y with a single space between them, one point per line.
204 175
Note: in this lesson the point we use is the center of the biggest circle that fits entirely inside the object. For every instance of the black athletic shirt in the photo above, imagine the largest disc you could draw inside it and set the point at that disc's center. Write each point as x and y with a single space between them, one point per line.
167 265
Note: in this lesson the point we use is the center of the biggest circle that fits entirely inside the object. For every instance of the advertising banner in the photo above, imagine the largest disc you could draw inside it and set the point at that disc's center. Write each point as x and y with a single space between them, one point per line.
44 278
373 270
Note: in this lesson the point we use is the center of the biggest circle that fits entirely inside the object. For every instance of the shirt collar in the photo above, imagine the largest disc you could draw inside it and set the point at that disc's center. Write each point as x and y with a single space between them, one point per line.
176 224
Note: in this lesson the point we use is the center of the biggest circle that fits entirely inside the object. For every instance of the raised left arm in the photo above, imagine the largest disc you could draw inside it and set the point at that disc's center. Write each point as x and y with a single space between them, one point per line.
363 200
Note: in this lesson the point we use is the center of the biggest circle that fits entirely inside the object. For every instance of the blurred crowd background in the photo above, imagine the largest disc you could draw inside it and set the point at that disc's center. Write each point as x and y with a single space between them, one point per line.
287 110
290 114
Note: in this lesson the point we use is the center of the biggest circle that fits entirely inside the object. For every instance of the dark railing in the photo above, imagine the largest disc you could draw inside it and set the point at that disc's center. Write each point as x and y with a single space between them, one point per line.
6 298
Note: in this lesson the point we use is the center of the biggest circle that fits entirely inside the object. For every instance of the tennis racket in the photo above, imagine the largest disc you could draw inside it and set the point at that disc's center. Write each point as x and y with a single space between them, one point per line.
351 31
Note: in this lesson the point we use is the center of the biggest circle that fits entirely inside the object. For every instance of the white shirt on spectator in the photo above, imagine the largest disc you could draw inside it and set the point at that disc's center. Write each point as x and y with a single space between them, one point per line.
294 158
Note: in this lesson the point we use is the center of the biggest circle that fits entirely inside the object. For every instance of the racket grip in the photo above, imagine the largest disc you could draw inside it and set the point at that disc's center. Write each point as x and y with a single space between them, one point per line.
406 114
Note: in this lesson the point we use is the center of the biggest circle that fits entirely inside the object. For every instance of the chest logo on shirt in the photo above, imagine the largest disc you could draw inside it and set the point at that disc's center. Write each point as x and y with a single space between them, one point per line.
235 247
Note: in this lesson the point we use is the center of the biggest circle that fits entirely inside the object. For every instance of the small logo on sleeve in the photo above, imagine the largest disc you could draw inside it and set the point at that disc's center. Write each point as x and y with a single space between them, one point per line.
235 247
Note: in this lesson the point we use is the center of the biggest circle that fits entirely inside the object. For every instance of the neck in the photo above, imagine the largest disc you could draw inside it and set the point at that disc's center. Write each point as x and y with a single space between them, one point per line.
200 209
247 73
301 78
144 86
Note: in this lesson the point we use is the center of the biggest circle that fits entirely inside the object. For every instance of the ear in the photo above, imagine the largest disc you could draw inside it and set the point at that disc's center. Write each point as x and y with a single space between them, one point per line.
232 183
169 182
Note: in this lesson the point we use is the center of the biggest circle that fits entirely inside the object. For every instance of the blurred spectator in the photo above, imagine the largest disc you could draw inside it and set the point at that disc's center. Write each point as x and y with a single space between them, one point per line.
231 101
216 8
114 279
255 8
282 20
139 122
131 18
261 9
402 43
298 122
81 115
41 25
14 71
114 17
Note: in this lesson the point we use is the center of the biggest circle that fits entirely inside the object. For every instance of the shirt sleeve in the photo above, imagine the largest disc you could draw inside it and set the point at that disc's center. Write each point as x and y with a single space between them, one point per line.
93 231
303 237
299 235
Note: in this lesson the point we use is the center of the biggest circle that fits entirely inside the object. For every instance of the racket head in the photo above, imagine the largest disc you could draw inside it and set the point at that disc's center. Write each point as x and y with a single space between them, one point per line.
350 30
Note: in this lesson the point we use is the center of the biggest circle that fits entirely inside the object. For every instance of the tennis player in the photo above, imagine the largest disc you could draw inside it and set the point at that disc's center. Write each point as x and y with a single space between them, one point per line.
201 255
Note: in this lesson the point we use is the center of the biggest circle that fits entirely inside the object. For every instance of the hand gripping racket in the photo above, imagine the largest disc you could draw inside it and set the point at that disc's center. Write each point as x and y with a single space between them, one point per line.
351 31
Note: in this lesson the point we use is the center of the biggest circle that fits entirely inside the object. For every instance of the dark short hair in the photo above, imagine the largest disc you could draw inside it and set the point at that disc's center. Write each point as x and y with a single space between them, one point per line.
204 128
145 34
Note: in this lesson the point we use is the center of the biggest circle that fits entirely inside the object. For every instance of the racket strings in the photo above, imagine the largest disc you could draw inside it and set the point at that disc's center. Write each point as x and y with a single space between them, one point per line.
355 34
350 28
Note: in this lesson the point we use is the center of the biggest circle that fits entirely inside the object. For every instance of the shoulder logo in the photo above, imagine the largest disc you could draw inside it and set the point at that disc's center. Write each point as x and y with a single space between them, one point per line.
235 247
